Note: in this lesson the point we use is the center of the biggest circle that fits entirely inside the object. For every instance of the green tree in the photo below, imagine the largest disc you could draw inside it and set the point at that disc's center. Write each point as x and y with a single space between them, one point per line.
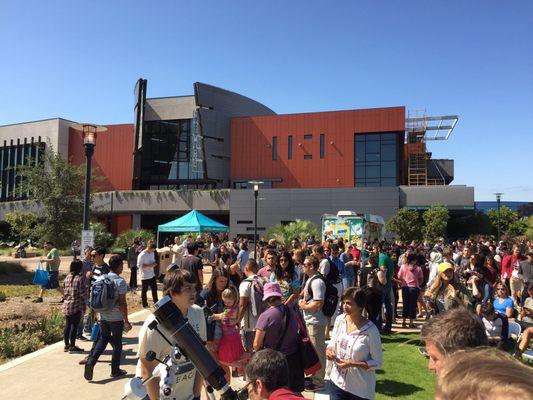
125 239
405 225
510 223
58 188
283 234
21 223
435 223
101 236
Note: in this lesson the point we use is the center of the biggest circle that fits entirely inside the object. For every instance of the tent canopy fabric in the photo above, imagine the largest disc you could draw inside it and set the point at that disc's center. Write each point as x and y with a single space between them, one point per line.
194 221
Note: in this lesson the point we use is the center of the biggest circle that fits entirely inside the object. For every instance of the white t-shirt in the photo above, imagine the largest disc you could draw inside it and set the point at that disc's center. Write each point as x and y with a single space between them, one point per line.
323 267
177 253
360 345
146 258
151 340
245 290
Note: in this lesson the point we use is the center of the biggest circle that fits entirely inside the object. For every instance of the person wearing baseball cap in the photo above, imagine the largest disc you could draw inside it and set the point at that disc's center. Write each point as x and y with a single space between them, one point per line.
277 329
446 291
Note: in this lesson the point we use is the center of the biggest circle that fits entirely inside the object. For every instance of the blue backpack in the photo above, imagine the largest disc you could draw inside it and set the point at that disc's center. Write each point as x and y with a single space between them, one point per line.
104 294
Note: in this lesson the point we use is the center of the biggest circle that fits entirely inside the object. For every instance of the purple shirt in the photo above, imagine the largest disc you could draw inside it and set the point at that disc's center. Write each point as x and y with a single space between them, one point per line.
271 321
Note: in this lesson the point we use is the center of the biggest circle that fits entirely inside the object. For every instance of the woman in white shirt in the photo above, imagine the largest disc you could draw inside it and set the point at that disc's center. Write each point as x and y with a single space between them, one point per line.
355 349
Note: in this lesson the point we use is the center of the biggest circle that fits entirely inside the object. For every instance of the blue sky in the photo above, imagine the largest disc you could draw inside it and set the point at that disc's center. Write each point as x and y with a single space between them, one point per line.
80 59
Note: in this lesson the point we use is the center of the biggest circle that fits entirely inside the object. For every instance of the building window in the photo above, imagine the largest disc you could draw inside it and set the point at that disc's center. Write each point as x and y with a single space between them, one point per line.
13 156
322 145
275 148
308 156
289 151
308 136
376 159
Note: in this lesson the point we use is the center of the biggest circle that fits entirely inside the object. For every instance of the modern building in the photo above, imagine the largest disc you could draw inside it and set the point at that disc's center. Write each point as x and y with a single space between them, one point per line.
201 150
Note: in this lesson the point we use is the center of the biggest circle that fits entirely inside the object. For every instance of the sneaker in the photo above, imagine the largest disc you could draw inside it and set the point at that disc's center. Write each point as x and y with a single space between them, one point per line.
88 372
75 349
82 338
83 361
38 300
66 348
118 373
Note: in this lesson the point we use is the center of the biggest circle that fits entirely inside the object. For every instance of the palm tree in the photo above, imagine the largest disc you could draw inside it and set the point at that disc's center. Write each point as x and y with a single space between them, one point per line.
283 234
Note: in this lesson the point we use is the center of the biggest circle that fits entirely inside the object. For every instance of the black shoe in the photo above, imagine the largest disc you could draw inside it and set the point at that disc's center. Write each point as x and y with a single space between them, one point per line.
82 338
75 349
88 373
38 300
84 361
66 348
311 387
118 373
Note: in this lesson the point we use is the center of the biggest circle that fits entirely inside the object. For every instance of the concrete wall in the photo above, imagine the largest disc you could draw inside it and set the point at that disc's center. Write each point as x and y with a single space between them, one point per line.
216 108
142 201
276 205
165 108
456 197
55 131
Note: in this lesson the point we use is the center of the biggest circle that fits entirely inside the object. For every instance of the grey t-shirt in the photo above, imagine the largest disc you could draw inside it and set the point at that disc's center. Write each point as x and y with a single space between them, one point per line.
318 290
122 288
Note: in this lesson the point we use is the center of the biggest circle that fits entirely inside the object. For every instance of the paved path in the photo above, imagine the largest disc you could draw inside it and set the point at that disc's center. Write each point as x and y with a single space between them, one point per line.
51 374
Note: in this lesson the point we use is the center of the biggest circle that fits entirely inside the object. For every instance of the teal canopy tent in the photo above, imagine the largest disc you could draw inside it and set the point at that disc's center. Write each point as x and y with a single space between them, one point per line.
193 222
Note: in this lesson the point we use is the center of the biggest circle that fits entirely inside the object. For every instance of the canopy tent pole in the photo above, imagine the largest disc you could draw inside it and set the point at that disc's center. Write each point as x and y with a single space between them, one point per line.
157 239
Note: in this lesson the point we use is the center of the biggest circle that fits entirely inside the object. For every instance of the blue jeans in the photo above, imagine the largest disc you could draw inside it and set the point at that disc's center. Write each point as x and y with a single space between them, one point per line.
336 393
387 302
347 281
110 332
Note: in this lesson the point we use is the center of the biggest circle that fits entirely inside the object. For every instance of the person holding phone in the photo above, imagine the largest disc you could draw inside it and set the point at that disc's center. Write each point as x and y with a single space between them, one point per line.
355 349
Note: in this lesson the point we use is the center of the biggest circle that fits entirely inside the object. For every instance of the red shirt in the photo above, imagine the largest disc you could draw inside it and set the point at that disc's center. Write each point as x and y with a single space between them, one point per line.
356 254
508 265
284 394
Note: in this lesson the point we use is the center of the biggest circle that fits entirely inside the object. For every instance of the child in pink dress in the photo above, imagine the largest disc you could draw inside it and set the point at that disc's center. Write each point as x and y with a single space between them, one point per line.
230 349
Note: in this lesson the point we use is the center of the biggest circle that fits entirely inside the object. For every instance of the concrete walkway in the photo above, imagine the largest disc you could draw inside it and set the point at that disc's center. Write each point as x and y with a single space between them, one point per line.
51 374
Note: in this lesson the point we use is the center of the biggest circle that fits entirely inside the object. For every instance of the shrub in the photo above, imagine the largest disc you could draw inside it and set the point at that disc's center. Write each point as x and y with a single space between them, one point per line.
125 239
3 296
301 229
101 236
19 340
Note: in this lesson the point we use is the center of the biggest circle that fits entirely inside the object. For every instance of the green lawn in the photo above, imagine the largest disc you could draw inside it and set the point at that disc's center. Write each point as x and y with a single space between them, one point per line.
404 374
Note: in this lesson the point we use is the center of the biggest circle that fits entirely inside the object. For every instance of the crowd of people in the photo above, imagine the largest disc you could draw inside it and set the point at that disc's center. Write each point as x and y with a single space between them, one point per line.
339 297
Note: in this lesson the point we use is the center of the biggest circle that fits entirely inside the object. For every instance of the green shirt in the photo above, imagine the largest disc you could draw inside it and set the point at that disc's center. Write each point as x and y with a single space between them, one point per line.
384 260
54 265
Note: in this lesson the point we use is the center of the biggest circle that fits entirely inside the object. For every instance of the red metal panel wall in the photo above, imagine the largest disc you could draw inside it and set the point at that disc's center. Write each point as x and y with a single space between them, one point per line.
113 156
252 138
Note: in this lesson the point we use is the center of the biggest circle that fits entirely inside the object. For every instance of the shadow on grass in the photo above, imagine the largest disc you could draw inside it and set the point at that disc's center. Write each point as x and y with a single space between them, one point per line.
391 388
402 340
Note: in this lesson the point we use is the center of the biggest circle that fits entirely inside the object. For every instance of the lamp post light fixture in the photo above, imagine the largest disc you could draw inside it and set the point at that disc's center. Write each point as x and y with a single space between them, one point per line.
88 133
498 200
255 185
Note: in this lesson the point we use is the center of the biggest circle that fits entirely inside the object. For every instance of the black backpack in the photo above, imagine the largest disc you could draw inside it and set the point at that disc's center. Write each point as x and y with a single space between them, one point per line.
331 297
333 274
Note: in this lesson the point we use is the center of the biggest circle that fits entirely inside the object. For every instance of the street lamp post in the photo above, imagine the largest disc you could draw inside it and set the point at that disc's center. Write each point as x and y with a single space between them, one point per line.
498 200
89 132
256 194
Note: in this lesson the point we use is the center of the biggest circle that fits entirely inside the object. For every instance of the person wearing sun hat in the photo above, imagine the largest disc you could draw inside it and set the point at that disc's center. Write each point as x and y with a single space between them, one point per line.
446 291
277 329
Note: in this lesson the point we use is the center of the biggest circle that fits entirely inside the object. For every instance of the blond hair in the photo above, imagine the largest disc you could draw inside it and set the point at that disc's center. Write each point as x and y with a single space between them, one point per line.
483 374
230 294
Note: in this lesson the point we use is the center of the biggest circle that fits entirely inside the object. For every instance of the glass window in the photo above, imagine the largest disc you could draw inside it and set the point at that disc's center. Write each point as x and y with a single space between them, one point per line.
376 159
388 169
322 145
289 143
360 150
275 148
308 156
308 136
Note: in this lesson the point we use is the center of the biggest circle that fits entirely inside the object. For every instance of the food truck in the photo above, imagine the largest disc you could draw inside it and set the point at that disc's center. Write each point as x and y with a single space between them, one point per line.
353 227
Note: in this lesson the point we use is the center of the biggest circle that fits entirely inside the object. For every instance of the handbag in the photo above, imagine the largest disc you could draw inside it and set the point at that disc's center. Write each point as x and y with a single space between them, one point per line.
41 276
310 360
